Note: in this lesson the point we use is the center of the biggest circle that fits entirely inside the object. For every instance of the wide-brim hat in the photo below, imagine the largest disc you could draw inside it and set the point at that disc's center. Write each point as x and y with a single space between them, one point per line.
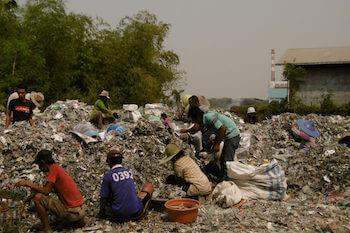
105 94
184 100
37 98
170 151
308 127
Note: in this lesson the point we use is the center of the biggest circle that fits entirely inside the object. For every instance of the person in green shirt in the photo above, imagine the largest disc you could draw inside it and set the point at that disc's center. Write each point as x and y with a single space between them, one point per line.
227 131
101 112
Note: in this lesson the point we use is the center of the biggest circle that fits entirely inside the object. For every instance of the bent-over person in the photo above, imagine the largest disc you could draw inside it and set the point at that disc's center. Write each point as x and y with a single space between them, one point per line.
188 175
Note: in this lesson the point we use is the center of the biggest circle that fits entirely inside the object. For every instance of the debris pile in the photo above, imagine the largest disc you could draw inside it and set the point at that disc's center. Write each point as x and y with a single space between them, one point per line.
323 168
143 145
311 174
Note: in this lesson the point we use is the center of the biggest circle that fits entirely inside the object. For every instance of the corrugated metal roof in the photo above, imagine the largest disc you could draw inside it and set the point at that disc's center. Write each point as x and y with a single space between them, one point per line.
316 56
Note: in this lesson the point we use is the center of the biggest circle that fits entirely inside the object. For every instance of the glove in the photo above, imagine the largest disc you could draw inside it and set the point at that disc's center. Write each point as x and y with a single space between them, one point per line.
175 180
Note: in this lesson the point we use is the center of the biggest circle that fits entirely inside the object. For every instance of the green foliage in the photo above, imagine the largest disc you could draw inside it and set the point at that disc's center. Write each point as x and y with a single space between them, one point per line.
67 55
267 110
327 104
344 109
264 109
293 73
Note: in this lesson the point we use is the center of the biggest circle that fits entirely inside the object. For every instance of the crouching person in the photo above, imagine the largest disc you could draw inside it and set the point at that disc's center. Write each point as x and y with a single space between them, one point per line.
304 132
188 174
70 203
119 201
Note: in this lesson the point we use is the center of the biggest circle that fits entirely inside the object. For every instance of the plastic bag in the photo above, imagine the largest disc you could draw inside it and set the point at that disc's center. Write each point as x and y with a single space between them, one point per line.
226 194
117 128
135 116
130 107
264 182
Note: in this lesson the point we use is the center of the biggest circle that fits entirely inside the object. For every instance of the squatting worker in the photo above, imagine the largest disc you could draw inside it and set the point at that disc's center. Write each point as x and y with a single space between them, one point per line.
305 132
167 122
20 109
119 201
227 132
70 203
102 113
188 175
251 115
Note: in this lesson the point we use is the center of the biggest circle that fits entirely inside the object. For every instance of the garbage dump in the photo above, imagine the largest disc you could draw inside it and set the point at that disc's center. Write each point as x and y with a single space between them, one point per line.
318 178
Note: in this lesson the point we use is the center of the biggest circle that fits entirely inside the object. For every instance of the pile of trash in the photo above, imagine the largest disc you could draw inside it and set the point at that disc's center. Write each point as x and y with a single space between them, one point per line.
324 168
311 174
143 146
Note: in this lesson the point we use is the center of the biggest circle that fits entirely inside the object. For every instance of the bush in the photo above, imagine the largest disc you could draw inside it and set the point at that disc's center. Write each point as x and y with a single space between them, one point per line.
264 110
327 105
267 110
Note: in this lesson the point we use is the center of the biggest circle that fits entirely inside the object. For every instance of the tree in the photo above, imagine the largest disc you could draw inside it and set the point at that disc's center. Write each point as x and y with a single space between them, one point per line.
293 73
73 56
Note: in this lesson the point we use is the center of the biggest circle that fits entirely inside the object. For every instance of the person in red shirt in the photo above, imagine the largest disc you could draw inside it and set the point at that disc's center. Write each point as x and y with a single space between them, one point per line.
70 203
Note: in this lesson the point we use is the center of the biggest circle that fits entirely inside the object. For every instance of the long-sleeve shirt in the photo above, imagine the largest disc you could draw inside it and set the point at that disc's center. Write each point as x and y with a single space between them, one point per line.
187 168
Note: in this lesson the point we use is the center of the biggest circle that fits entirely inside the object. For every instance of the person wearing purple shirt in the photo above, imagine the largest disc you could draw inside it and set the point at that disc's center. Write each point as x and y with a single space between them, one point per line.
119 200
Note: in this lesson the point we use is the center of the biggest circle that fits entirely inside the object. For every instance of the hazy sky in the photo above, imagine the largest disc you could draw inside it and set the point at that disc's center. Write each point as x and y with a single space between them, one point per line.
224 45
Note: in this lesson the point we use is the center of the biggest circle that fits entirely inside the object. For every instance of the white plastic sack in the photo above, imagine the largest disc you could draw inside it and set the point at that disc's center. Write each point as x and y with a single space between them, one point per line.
226 194
135 116
154 109
154 106
130 107
264 182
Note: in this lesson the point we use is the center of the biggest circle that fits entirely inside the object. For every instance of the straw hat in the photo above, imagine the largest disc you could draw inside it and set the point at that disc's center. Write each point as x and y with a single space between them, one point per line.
37 98
170 151
105 94
308 127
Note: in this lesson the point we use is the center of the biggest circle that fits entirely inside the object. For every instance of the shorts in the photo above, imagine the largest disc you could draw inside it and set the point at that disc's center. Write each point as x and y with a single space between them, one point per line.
57 208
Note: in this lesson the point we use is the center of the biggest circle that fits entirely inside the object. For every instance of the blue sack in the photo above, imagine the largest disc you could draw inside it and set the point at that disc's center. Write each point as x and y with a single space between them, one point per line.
117 128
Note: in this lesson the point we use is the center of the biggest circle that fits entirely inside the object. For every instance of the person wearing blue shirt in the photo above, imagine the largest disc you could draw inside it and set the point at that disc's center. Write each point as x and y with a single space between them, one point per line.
227 131
119 201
